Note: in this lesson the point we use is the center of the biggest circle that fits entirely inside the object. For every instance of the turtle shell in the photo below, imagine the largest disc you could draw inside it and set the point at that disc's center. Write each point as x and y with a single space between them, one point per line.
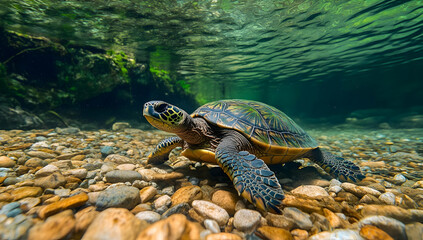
262 124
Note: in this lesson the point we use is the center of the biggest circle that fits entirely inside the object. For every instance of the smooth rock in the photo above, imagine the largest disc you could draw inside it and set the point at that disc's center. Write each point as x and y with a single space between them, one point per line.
10 209
29 203
301 219
118 196
163 201
374 233
6 197
274 233
24 192
401 214
387 198
47 170
15 228
53 180
340 234
116 224
55 227
170 228
393 227
359 191
67 203
151 175
106 150
6 162
299 234
84 218
310 191
211 211
225 199
399 178
80 173
334 220
40 154
414 231
34 162
186 195
122 176
126 166
280 221
147 193
211 225
246 220
180 208
116 158
148 216
223 236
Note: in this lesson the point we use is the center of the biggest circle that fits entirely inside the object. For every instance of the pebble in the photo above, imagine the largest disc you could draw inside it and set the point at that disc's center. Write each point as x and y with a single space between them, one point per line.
163 201
310 191
186 195
47 170
399 178
84 218
280 221
122 176
29 203
6 162
211 211
299 234
340 234
182 208
226 200
15 228
148 216
126 166
106 150
116 224
80 173
119 159
11 209
393 227
24 192
223 236
387 198
212 225
246 220
414 231
55 227
359 191
40 154
147 193
274 233
401 214
67 203
171 228
374 233
53 180
118 197
301 219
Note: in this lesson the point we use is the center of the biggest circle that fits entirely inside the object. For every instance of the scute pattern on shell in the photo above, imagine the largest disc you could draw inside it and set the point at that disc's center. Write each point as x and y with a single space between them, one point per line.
257 121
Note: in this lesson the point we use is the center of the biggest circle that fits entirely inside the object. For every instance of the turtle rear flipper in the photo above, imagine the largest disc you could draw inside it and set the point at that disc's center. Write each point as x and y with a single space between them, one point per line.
161 152
251 177
338 167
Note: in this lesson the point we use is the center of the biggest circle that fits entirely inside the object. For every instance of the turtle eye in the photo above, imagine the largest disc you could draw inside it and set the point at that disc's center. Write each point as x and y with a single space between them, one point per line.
160 107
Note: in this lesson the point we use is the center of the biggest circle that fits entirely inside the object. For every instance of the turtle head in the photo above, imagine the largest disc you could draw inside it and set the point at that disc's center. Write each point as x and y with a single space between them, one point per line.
165 116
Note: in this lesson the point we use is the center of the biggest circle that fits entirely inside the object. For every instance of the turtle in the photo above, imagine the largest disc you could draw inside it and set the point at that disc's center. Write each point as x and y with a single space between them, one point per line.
242 137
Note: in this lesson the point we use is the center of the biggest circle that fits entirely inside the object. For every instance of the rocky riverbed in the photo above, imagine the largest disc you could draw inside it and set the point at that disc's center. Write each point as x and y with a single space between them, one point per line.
69 184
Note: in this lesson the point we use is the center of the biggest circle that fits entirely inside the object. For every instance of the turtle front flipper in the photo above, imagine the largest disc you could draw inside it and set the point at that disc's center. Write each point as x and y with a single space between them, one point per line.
251 177
161 152
338 167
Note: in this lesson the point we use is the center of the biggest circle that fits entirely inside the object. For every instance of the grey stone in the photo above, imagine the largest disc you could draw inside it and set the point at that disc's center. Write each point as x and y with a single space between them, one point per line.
119 197
301 219
106 150
387 198
340 234
414 231
211 225
122 176
246 220
148 216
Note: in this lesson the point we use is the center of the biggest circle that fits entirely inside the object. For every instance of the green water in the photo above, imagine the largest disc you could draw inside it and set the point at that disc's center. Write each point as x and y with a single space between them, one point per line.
309 58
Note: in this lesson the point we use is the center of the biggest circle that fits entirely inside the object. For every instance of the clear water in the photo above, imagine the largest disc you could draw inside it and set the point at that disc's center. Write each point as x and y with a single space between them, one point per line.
310 58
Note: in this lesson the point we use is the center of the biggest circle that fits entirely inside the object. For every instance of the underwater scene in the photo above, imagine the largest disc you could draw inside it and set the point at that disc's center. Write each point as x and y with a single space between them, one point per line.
211 119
